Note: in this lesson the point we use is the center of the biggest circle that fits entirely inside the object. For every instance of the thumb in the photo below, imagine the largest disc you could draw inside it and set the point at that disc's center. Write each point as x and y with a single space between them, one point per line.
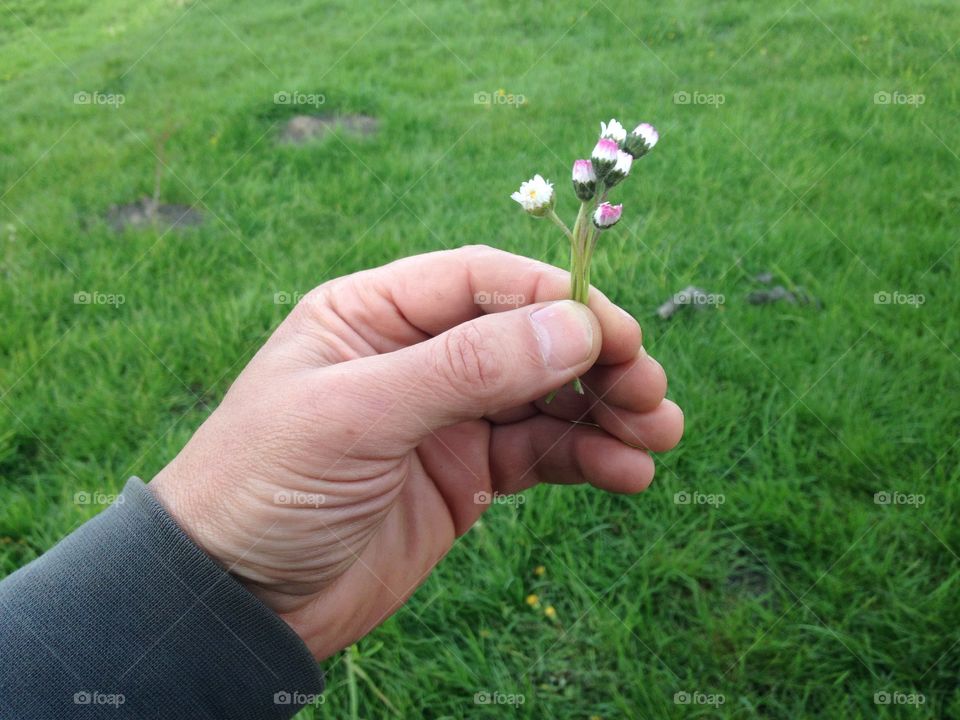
483 366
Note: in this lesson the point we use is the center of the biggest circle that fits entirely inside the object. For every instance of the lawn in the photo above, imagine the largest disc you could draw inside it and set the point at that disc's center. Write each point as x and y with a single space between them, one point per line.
797 555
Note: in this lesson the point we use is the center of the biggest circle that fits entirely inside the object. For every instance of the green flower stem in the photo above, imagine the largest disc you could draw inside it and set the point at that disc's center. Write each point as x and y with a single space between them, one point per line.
579 271
579 267
559 223
583 241
588 240
591 244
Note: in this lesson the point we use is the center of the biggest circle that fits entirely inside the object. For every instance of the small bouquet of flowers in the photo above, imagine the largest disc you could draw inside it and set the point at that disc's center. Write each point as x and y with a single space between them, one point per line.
609 164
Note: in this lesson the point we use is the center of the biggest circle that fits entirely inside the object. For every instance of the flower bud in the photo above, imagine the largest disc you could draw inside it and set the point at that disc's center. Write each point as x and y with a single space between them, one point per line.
613 131
607 215
641 140
584 180
604 157
535 196
620 170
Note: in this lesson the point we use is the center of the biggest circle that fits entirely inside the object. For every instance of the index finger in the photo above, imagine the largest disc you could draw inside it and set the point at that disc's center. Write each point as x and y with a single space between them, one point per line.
437 291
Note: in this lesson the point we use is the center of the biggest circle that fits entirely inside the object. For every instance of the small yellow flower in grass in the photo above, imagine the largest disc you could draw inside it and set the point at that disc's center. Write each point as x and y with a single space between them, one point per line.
595 717
533 600
539 570
550 612
485 634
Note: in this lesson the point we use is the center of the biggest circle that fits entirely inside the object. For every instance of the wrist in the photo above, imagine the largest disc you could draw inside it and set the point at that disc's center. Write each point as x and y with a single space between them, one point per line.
183 500
192 506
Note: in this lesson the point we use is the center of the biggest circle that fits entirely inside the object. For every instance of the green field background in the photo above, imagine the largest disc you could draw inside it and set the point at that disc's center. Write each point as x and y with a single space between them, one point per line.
812 140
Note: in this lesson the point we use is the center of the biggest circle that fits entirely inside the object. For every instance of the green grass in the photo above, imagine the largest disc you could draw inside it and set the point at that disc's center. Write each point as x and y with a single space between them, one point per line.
799 596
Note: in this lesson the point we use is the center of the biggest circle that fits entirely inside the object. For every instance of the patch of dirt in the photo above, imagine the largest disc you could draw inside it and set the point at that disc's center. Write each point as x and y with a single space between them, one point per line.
779 293
147 213
301 129
690 297
749 581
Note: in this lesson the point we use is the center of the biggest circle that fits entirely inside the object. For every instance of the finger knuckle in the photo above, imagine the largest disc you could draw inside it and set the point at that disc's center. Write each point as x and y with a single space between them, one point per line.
478 249
311 304
473 367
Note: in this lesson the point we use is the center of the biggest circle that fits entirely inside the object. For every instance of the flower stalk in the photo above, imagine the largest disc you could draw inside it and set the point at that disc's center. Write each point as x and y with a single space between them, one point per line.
554 218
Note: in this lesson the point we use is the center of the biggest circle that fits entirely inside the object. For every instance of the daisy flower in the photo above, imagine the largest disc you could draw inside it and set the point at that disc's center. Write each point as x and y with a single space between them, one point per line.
535 196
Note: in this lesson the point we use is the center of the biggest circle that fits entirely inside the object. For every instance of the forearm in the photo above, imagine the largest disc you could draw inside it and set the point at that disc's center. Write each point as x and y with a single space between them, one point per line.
127 612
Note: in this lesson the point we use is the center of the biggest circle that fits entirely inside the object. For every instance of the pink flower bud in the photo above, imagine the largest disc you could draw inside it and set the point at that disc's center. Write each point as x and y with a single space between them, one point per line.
583 172
641 140
584 180
620 170
607 215
605 156
606 151
648 133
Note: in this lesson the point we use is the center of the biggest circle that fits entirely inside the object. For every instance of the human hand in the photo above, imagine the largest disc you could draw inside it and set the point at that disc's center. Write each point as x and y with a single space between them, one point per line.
382 415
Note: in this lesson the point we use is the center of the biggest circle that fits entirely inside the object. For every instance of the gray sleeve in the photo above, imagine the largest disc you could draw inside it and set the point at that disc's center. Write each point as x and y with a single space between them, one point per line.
127 618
